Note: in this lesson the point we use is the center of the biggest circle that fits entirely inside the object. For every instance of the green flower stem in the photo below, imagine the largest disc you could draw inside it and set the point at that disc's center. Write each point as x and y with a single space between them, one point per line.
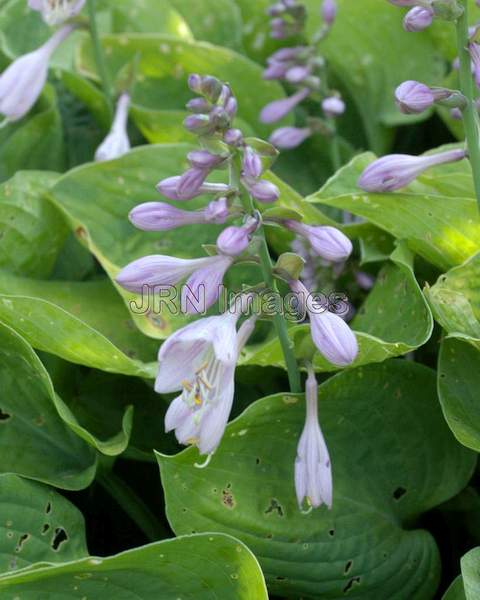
267 271
99 55
470 118
135 508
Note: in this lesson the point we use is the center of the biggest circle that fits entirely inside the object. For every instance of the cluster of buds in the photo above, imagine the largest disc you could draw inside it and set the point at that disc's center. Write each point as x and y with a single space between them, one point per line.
301 68
199 360
287 18
422 12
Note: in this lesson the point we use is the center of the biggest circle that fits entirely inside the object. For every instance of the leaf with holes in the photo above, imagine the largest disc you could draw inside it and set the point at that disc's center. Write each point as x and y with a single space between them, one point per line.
37 525
202 567
32 231
83 322
380 336
437 214
393 458
46 449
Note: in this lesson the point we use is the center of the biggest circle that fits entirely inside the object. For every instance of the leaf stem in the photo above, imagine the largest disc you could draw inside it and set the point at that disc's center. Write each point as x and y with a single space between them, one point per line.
470 118
134 506
99 55
267 272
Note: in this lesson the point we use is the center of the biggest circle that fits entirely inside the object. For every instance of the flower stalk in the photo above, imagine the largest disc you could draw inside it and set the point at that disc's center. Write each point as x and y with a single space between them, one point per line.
99 55
470 118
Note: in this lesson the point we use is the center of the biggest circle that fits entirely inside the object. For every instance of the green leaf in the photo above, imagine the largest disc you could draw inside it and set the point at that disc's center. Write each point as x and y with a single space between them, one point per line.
458 390
148 16
437 214
32 231
455 301
165 64
202 567
470 568
456 591
393 458
38 525
82 322
49 451
381 335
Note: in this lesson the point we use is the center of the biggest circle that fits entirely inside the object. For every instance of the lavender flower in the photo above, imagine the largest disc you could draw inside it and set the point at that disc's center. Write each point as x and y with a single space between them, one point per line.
328 242
329 11
333 106
22 82
252 163
413 97
418 19
199 360
55 12
331 335
235 240
278 109
395 171
313 471
116 143
264 191
474 50
168 187
159 216
203 287
289 137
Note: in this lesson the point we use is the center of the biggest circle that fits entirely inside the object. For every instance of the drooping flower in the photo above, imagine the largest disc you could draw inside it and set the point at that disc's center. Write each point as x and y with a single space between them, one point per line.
328 242
55 12
22 82
313 471
418 19
159 272
159 216
331 335
395 171
117 143
276 110
199 360
286 138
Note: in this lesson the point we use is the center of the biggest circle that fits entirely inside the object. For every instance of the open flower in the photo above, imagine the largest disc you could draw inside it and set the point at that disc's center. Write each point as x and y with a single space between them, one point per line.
313 471
22 82
55 12
116 143
199 360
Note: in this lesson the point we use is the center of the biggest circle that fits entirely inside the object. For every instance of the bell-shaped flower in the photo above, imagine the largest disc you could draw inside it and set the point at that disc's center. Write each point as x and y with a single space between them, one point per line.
116 143
276 110
286 138
328 242
395 171
161 272
199 361
313 471
55 12
331 335
22 82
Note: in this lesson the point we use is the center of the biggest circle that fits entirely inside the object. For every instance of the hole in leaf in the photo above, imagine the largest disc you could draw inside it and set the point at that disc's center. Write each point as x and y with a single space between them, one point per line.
21 541
348 567
331 533
59 538
257 461
4 416
48 508
351 582
399 492
45 528
280 578
275 506
228 499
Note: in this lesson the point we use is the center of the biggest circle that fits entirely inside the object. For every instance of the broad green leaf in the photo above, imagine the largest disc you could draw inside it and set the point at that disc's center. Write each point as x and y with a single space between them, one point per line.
455 301
38 525
393 458
34 441
456 591
437 215
82 322
34 142
166 62
459 390
32 231
470 573
200 567
147 16
394 320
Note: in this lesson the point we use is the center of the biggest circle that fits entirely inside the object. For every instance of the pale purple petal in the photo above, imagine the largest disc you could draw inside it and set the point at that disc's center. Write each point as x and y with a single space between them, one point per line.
203 287
333 338
278 109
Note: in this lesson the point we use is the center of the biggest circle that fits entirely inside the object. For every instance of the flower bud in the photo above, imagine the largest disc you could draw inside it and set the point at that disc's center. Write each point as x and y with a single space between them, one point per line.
251 164
286 138
276 110
329 11
233 137
233 240
413 97
199 105
190 182
297 74
197 124
231 107
195 83
333 106
275 70
474 50
202 159
263 191
159 216
217 211
211 88
418 19
328 242
287 54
